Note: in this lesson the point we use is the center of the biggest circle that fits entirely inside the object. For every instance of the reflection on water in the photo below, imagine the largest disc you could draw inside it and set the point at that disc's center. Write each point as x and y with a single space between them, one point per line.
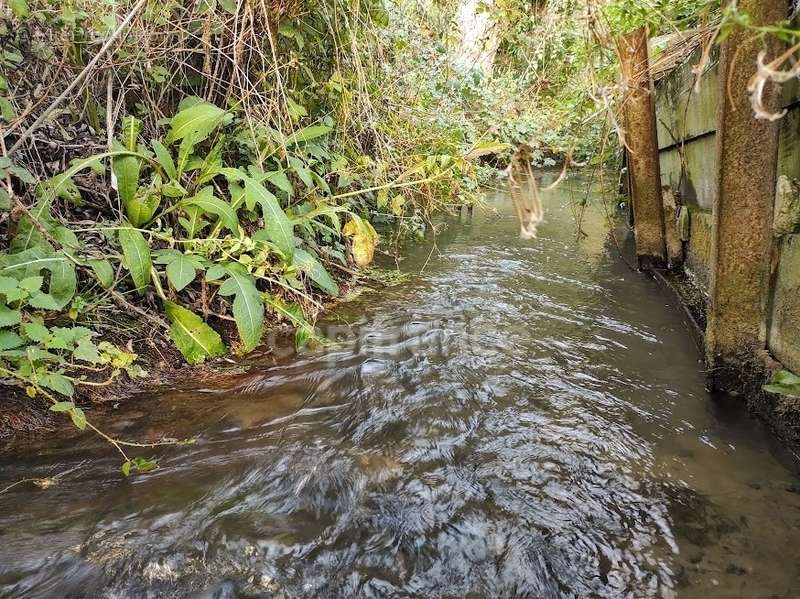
522 419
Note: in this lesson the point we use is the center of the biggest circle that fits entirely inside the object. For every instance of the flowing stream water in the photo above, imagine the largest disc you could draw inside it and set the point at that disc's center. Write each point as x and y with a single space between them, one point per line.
515 419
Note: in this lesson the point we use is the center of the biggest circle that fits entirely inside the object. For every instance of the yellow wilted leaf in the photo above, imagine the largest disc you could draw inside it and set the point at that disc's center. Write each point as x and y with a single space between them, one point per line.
365 239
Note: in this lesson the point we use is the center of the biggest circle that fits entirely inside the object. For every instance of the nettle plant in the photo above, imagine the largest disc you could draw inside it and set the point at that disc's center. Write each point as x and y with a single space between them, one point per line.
49 358
38 283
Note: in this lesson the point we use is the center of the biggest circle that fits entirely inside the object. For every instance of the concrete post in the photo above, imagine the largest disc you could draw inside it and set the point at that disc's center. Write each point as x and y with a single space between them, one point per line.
642 142
742 213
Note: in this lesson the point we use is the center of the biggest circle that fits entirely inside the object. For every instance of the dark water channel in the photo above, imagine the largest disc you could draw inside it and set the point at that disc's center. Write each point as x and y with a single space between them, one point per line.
521 419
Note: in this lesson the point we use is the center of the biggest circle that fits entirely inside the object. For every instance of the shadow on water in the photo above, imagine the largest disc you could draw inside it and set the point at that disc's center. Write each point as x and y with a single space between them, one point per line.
521 419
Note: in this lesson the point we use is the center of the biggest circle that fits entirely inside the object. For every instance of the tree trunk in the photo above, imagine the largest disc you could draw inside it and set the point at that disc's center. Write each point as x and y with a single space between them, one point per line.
642 144
746 177
479 36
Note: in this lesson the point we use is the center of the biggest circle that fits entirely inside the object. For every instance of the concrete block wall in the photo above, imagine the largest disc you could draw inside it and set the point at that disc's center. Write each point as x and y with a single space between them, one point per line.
687 131
686 124
784 327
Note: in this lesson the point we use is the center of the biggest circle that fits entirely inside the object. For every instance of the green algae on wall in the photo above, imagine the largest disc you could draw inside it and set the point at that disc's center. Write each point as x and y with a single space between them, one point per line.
784 332
698 252
784 338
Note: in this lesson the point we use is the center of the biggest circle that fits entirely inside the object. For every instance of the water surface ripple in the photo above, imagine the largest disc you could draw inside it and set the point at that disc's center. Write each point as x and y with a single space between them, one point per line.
521 419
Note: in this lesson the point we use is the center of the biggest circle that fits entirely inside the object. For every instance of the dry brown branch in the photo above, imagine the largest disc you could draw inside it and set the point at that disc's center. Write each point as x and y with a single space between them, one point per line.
79 79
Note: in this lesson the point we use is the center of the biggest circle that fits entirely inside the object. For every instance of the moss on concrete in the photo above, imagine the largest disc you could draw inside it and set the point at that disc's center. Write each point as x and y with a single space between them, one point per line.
784 337
698 253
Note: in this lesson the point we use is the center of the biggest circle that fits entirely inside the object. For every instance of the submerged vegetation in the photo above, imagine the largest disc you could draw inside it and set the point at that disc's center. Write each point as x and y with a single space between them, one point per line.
199 170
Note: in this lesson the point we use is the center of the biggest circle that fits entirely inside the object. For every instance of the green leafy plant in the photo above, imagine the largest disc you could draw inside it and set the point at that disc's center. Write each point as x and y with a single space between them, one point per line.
51 361
197 221
784 383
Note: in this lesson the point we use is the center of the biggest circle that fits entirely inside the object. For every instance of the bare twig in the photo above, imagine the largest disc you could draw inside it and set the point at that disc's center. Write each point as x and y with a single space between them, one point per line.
79 79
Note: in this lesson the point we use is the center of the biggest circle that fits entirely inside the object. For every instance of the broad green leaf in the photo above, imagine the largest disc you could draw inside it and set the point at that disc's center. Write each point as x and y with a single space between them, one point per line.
299 167
784 383
248 309
792 390
193 337
7 111
10 340
26 263
173 189
72 334
165 256
43 301
277 225
315 271
126 468
66 238
9 317
322 184
63 281
126 170
62 406
398 202
382 198
38 354
784 377
211 165
296 111
32 284
78 418
198 120
181 271
279 180
308 133
206 201
164 159
194 222
22 174
58 383
216 272
131 127
56 342
19 8
144 464
301 336
35 331
8 285
28 234
103 271
96 164
239 197
232 174
185 150
87 351
15 294
137 256
141 209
